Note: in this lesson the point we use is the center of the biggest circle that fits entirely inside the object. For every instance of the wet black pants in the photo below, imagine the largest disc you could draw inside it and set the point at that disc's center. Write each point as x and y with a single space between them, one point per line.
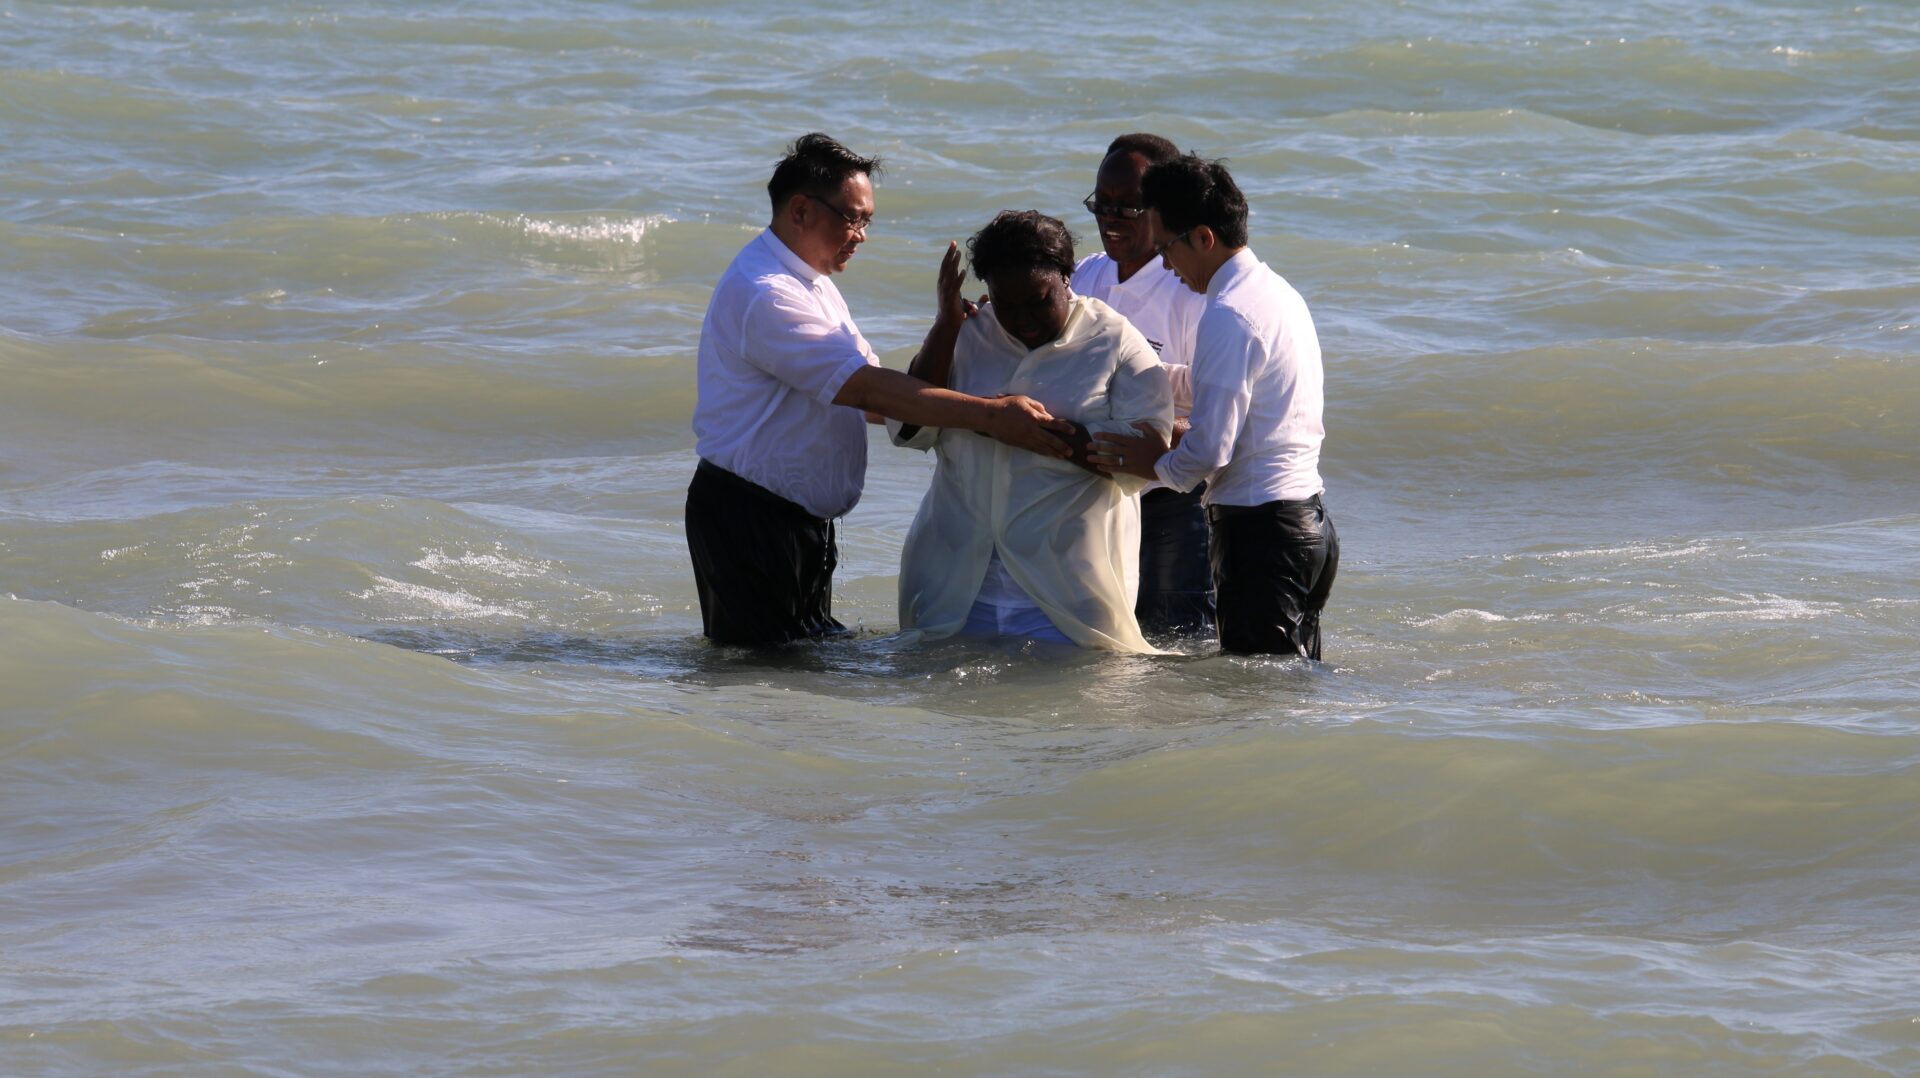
763 565
1273 567
1176 576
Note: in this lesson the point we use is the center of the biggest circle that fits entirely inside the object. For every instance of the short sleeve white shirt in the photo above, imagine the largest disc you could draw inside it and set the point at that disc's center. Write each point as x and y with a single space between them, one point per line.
777 344
1164 310
1258 393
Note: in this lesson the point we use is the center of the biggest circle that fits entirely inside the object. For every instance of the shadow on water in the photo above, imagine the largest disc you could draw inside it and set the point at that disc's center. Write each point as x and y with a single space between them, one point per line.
902 669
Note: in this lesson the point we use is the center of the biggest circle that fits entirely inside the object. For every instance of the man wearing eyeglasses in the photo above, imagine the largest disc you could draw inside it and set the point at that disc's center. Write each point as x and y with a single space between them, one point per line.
786 386
1257 402
1176 584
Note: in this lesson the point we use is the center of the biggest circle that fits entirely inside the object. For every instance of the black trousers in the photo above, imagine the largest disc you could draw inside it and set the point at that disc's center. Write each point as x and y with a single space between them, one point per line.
763 565
1273 567
1176 576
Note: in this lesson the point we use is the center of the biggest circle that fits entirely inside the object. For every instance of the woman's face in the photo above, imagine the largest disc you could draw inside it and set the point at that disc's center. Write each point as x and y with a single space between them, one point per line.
1031 305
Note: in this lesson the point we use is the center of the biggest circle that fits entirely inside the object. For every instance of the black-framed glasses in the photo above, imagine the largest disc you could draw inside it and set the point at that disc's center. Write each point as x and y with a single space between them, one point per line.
858 224
1112 209
1160 249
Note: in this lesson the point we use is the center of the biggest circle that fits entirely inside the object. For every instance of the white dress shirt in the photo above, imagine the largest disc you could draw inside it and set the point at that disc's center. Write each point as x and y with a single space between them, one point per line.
775 348
1069 539
1164 310
1257 393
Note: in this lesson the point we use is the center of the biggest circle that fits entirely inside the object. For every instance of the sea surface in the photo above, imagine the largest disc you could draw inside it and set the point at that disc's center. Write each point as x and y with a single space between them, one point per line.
354 716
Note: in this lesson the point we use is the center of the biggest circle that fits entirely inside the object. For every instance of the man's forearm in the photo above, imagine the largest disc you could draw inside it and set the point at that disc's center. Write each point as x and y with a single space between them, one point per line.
1016 420
908 399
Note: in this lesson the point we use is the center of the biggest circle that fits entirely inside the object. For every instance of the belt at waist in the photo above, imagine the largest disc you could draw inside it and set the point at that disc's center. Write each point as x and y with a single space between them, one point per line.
1171 496
735 484
1216 513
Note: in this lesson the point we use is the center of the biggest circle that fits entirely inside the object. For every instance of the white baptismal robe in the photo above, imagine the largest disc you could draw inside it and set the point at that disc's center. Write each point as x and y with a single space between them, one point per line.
1068 537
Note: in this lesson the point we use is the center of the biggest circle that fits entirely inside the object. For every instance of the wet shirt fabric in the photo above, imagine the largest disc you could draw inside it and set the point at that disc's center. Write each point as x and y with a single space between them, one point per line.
1159 305
1068 538
777 344
1257 393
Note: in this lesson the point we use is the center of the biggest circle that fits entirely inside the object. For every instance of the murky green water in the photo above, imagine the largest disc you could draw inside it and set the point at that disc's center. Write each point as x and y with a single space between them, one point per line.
353 713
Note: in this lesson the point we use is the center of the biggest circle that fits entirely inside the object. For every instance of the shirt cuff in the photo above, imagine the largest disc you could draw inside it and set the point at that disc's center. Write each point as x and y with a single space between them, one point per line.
1167 476
835 382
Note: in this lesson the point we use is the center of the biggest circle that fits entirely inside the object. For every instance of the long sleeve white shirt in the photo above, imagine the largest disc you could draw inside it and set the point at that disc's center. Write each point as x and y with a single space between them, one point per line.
1069 538
777 344
1258 393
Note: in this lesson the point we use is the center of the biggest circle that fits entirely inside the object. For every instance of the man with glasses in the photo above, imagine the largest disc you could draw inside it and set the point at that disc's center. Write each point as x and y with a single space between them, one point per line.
1257 430
786 385
1176 584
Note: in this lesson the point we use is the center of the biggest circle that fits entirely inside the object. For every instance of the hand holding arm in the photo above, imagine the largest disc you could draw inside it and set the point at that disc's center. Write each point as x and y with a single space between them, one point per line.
1025 423
1140 399
1017 421
1128 454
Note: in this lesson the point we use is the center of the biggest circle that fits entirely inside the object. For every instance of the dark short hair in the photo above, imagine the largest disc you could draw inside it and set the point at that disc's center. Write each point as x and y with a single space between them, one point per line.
1152 147
816 165
1021 241
1191 191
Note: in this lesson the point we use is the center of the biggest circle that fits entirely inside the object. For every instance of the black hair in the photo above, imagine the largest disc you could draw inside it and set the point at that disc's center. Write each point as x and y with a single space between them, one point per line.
1021 241
816 165
1190 191
1152 147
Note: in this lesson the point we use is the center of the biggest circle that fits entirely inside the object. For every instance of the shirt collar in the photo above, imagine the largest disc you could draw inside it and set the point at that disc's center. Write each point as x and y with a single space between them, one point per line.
788 259
1232 270
1146 278
1080 321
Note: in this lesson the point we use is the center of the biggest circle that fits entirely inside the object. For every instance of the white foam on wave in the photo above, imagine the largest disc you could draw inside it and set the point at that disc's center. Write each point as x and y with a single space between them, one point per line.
599 242
1632 552
499 565
203 615
1467 615
591 231
595 230
1763 607
439 602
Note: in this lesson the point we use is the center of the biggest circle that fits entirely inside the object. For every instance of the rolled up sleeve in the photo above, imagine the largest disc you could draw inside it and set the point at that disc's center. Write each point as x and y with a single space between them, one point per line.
911 435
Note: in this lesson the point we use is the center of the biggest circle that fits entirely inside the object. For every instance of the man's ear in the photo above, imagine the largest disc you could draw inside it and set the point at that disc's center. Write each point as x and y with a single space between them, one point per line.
1204 237
796 208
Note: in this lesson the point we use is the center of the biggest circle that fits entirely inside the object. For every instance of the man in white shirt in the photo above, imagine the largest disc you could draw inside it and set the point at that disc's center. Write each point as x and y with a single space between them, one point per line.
786 387
1256 419
1176 582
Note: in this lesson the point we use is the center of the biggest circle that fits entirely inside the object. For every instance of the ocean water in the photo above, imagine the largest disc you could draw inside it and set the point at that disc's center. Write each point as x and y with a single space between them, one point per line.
354 717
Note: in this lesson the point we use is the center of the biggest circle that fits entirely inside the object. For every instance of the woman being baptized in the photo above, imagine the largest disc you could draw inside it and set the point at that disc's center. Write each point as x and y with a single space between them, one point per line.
1009 542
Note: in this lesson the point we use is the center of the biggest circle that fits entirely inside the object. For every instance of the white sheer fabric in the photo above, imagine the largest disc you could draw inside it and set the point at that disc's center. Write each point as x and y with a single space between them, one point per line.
1069 538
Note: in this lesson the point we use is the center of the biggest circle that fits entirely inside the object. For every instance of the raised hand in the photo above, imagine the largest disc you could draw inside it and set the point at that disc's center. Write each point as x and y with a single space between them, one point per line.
951 304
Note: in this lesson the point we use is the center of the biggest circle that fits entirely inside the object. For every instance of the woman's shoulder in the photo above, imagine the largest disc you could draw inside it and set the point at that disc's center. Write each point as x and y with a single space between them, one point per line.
980 330
1111 328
